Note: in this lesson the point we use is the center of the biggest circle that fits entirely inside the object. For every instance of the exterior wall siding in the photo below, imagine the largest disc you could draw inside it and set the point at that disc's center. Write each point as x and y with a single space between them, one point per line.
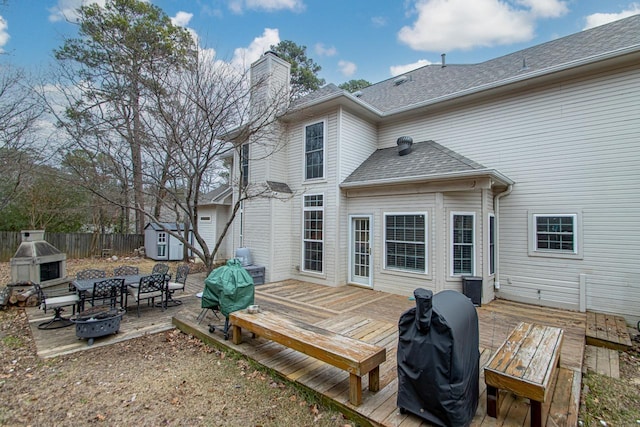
570 147
358 140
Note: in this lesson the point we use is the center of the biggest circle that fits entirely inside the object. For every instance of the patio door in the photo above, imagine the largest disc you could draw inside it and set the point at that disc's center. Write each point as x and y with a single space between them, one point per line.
360 250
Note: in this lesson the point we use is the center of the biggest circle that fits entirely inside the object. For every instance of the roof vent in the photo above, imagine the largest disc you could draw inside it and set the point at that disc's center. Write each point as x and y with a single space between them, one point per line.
443 56
404 145
400 80
357 93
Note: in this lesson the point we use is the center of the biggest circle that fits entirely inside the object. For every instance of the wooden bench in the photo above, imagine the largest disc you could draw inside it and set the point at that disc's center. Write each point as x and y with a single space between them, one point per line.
352 355
525 364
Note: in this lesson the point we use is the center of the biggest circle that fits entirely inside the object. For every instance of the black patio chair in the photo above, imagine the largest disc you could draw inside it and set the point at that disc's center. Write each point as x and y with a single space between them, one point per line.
149 288
177 284
91 273
108 290
126 270
57 303
160 268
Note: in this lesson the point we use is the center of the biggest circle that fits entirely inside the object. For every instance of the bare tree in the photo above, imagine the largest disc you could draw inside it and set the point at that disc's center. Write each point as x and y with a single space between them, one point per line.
19 114
210 106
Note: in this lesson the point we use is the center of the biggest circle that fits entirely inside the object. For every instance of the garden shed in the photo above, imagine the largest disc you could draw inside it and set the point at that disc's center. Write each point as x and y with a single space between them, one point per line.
160 245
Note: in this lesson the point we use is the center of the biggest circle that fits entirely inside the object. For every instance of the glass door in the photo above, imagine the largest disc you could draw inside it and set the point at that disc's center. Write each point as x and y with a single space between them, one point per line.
360 250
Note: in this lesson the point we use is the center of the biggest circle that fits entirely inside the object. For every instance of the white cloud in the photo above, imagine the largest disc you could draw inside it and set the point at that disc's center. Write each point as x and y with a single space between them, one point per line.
396 70
244 56
238 6
347 68
67 10
379 21
4 34
443 25
546 8
182 19
597 19
322 50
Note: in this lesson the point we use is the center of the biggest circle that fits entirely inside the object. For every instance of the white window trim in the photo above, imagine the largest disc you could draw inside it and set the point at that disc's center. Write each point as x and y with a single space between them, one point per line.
426 240
324 151
473 250
304 209
495 238
551 253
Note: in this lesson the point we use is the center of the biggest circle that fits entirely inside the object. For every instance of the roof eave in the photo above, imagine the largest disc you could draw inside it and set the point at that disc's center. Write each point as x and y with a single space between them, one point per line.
343 98
496 176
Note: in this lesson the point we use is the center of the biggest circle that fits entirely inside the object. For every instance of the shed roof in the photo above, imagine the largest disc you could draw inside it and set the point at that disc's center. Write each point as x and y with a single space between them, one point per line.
161 226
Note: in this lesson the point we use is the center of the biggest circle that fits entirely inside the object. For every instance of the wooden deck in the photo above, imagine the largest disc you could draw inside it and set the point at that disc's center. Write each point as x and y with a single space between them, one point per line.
604 330
364 314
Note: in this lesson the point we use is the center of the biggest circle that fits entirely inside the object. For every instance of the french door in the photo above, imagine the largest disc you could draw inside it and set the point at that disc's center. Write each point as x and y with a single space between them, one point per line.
360 250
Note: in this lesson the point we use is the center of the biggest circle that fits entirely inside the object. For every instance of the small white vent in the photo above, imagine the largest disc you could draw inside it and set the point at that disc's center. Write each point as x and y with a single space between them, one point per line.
357 93
400 80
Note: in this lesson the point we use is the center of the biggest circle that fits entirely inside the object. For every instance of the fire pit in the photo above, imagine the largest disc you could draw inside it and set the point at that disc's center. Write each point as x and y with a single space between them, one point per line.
97 322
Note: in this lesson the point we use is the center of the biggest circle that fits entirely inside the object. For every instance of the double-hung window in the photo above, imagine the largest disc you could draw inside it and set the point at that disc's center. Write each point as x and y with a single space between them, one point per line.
462 244
313 233
406 242
244 165
555 233
314 151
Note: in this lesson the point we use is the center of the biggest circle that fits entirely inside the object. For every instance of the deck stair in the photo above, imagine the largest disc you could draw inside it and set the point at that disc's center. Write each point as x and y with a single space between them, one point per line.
605 335
607 330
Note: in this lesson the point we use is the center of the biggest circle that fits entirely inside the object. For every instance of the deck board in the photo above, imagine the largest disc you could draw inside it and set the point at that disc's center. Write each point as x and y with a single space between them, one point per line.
364 314
604 330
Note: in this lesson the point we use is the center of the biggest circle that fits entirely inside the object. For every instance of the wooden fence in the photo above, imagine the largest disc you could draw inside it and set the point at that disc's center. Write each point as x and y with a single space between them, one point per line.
76 245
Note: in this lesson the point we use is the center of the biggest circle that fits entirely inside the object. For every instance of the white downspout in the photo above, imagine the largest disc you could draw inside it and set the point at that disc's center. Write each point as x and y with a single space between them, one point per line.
496 213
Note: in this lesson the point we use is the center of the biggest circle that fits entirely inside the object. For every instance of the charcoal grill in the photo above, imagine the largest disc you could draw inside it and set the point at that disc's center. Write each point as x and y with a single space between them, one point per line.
227 289
439 358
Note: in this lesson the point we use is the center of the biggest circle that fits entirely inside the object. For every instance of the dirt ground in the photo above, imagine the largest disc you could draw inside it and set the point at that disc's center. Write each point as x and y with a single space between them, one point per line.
171 379
166 379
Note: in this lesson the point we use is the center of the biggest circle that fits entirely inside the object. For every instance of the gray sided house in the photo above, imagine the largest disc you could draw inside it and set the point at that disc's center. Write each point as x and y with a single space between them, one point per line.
160 245
522 171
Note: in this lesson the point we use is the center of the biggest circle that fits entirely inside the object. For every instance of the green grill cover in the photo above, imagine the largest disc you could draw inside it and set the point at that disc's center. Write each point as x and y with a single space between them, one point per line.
228 288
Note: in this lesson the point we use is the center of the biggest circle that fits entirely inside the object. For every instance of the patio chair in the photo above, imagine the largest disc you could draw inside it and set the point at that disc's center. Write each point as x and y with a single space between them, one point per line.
178 284
91 273
160 268
126 270
108 290
56 303
149 288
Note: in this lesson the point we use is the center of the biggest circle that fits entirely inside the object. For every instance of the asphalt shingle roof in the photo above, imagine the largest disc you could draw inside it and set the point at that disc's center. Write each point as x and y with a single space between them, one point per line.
426 159
434 81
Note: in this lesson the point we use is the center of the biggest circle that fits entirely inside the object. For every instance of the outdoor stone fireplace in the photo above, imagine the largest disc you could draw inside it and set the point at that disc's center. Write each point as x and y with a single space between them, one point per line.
36 260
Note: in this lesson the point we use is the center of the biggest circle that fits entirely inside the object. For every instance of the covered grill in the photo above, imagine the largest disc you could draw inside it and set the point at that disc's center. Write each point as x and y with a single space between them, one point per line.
36 260
439 358
227 289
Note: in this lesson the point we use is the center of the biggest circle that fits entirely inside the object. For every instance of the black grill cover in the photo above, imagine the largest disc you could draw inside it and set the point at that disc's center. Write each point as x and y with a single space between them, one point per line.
439 358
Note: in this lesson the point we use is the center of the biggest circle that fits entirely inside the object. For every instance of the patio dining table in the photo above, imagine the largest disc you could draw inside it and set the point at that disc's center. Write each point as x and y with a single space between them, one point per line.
84 285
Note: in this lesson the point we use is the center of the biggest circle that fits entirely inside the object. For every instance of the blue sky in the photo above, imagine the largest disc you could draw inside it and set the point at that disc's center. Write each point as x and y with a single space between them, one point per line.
350 39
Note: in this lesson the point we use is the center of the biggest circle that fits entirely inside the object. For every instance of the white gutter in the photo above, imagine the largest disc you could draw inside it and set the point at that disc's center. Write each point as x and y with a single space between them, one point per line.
421 178
496 214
